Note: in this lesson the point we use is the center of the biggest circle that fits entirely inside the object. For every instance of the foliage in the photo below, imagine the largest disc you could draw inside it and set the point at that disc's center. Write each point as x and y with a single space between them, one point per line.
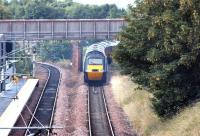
160 49
24 66
4 11
53 9
86 11
51 51
24 63
40 10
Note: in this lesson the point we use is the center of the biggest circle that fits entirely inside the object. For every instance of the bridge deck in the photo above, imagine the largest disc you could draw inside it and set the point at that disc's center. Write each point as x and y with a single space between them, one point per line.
71 29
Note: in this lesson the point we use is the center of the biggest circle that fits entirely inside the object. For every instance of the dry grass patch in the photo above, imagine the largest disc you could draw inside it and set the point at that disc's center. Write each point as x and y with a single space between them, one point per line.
64 63
136 103
187 123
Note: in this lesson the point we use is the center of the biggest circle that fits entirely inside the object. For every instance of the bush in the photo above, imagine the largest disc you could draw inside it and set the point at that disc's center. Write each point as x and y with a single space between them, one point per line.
55 51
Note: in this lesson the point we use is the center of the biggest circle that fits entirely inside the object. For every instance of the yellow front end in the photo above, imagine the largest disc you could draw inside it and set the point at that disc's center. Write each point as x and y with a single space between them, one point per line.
95 72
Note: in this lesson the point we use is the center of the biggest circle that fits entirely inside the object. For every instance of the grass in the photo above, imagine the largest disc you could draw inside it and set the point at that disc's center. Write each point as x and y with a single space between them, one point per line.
137 105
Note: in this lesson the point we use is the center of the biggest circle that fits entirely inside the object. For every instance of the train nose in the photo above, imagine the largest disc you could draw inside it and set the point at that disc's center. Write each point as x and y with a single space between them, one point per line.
95 75
95 72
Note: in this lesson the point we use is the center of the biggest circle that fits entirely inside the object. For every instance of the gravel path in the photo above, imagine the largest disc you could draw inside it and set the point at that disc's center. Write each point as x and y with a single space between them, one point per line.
71 108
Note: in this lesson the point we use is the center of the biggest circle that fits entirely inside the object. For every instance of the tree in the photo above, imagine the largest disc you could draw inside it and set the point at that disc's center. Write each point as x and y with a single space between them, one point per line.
4 11
16 8
114 12
160 49
86 11
39 10
53 9
55 51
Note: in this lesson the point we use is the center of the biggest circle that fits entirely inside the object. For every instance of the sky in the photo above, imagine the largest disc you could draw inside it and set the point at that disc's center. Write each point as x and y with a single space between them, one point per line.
119 3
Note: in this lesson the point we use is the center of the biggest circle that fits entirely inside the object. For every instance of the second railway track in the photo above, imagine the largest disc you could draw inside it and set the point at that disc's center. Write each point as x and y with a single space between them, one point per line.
99 120
43 114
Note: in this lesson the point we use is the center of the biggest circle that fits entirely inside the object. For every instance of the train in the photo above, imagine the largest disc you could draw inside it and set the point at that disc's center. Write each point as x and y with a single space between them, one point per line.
96 61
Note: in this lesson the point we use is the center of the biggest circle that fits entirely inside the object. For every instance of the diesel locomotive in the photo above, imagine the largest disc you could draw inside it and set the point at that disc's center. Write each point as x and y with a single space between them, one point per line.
95 63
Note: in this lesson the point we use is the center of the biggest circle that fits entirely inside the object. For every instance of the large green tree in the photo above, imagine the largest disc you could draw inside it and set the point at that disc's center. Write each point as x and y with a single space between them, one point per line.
160 49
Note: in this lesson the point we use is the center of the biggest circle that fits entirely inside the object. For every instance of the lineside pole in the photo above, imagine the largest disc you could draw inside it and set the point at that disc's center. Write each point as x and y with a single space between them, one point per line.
34 59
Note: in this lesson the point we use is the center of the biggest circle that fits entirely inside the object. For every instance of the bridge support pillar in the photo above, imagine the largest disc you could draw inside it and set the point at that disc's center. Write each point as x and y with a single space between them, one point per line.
76 57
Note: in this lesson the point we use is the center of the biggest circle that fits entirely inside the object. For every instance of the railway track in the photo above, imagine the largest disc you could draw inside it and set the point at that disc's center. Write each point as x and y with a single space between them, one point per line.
99 121
44 111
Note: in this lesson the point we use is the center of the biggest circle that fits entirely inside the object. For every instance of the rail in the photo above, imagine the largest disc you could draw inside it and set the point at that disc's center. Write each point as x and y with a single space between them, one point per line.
99 122
107 113
42 104
52 116
38 101
89 120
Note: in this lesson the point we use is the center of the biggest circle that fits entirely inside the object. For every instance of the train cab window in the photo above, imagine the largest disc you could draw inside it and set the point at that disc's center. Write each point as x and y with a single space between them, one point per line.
95 61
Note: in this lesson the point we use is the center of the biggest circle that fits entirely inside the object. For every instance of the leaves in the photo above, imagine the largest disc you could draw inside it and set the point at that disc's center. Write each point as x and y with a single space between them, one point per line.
55 51
160 49
52 9
4 12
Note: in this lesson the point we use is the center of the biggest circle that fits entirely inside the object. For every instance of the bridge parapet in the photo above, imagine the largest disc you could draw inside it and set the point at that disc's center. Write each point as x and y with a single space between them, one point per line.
59 29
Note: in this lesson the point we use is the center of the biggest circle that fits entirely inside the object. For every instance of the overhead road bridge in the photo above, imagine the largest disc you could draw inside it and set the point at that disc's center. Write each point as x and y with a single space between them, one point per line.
60 29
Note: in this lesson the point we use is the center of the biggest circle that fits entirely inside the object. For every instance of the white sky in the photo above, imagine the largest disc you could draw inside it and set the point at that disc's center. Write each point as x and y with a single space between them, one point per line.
119 3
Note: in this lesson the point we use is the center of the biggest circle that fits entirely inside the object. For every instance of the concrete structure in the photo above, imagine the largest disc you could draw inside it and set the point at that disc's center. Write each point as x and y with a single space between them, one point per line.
7 96
14 109
76 56
59 29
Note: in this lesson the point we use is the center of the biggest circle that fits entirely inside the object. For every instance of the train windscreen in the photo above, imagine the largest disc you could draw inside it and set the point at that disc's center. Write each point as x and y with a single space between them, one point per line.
94 61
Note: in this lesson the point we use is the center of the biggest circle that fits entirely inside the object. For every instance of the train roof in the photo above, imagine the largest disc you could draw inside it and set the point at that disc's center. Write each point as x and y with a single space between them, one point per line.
101 46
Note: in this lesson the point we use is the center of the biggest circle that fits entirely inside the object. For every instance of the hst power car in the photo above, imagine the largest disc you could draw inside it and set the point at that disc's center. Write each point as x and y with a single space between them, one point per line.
95 64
